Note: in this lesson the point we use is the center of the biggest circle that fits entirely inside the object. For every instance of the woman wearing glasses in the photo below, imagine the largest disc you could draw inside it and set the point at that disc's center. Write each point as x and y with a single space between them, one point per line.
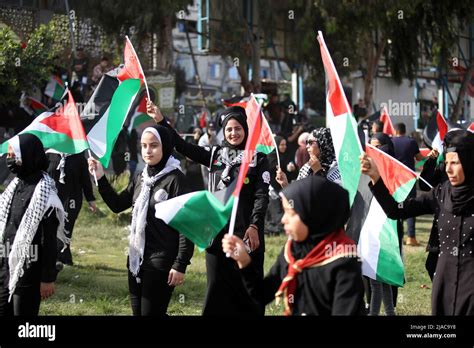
322 159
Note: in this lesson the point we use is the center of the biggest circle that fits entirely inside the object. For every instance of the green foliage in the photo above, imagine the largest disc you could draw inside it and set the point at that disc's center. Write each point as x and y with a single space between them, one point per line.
118 17
21 69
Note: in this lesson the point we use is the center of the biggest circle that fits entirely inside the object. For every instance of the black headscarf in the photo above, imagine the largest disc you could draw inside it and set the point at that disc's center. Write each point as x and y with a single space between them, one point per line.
167 146
33 158
386 144
326 148
458 198
285 158
238 114
322 205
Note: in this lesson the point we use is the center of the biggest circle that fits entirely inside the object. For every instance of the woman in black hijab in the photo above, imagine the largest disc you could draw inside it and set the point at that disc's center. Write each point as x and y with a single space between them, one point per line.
28 229
226 293
453 201
158 255
322 160
317 272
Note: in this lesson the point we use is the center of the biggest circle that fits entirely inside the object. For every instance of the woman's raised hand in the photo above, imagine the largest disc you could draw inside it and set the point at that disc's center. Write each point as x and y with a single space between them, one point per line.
153 111
368 167
234 247
281 178
96 166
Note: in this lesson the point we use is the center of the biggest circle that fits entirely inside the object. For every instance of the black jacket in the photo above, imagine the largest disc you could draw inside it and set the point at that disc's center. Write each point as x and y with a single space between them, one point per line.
253 200
43 269
77 179
166 246
453 292
333 289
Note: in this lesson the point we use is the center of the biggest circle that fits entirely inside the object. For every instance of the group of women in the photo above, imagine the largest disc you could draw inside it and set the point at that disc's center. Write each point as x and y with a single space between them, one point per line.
310 280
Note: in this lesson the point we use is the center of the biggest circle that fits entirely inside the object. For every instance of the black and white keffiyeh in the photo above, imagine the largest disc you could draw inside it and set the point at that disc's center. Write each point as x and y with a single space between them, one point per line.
332 174
44 197
136 247
230 158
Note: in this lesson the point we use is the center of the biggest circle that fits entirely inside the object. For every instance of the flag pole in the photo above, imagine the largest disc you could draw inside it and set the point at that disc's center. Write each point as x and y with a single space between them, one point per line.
140 65
274 142
95 175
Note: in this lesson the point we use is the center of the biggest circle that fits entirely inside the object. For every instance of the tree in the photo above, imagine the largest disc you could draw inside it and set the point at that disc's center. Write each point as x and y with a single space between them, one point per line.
362 32
24 65
143 19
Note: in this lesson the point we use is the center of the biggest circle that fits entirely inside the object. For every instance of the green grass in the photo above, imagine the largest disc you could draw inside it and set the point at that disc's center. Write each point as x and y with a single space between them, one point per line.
97 283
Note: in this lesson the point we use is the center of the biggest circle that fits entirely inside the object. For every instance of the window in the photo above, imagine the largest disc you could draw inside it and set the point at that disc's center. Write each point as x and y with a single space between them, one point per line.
215 70
233 73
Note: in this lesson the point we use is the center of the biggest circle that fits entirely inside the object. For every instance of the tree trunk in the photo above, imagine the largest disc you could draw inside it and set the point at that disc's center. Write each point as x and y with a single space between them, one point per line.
256 55
244 78
373 58
462 92
165 45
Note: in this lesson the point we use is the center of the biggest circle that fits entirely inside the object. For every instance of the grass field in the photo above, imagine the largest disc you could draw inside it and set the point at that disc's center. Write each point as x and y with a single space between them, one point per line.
97 283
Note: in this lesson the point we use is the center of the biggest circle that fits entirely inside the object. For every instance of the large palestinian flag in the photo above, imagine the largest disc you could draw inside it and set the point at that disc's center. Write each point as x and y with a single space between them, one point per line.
106 112
378 242
342 124
61 130
199 215
376 238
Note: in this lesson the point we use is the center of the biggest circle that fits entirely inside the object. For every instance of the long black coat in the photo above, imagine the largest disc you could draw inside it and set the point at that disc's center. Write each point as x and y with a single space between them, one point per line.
453 287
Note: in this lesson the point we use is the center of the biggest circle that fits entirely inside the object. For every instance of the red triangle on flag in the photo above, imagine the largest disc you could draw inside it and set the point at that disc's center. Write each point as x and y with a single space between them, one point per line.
132 68
442 125
471 127
202 119
394 173
142 106
335 94
66 120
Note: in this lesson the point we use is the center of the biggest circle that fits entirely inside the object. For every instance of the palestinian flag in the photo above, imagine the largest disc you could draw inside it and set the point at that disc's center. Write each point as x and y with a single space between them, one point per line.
55 88
132 68
342 124
424 151
442 130
199 215
32 106
61 130
139 117
387 122
471 127
372 245
104 133
378 242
